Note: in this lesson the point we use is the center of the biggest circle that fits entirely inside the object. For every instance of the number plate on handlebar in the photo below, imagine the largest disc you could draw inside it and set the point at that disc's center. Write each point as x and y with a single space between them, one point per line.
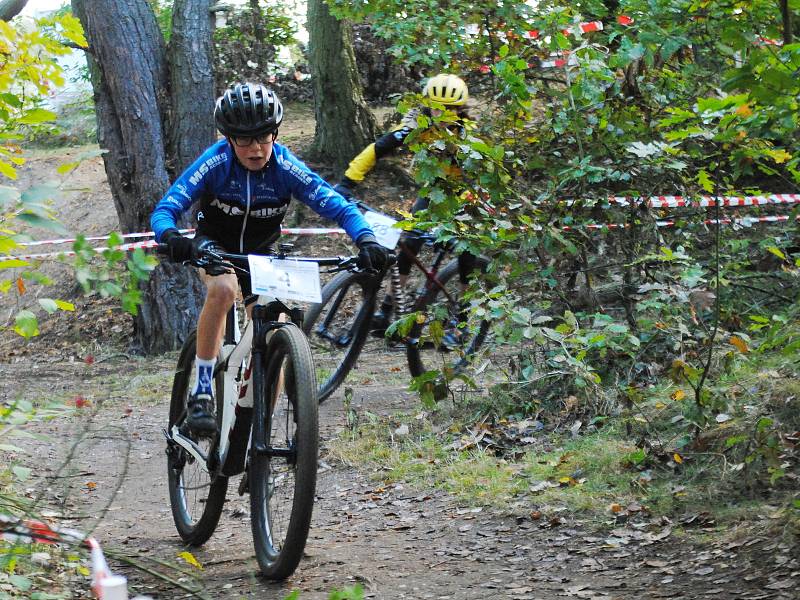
285 279
386 235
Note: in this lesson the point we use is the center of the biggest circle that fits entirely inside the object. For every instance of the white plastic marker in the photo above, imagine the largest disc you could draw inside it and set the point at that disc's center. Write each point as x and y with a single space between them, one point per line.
104 584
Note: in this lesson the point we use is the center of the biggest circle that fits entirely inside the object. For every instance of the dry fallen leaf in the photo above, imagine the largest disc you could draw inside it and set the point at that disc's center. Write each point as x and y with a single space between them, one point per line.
739 343
189 558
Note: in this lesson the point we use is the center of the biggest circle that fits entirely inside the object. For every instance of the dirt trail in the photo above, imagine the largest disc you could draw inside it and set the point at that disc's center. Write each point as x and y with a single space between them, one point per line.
396 541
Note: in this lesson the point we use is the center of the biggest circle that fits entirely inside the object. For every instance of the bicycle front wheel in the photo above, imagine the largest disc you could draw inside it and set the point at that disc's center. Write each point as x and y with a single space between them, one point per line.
440 341
283 473
196 495
337 327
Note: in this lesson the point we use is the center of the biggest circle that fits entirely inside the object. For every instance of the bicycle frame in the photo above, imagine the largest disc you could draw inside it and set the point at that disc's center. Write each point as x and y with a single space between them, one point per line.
241 350
430 275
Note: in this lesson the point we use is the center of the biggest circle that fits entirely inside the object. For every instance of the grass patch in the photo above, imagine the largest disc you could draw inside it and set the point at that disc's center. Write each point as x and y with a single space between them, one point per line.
595 475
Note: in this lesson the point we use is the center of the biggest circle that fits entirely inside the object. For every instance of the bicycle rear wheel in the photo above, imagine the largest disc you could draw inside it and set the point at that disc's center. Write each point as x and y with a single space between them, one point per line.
337 327
425 348
195 495
282 481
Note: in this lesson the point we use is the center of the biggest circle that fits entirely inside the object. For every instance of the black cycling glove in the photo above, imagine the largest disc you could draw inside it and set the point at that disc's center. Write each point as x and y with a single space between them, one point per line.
183 249
371 255
180 247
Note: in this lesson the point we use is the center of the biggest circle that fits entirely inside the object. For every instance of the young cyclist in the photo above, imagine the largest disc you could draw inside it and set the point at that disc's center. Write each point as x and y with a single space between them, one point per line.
244 184
451 92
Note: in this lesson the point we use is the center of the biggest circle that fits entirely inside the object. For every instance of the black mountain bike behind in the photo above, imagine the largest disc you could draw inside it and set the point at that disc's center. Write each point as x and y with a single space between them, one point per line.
338 328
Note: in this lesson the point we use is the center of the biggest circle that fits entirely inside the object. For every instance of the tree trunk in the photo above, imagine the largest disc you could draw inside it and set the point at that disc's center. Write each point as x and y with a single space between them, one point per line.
175 295
191 83
128 66
131 66
344 122
786 15
11 8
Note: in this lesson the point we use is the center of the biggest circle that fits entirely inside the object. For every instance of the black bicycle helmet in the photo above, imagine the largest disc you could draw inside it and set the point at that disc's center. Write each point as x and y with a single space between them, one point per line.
248 109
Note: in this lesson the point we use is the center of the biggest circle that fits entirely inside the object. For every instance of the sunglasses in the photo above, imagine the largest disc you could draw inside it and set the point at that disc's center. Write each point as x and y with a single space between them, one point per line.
245 140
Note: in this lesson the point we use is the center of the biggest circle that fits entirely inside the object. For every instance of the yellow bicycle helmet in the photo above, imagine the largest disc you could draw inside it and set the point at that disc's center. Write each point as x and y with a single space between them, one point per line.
447 89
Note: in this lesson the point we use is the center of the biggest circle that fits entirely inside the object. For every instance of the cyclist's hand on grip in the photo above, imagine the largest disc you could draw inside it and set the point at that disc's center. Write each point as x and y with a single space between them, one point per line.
201 245
179 248
371 255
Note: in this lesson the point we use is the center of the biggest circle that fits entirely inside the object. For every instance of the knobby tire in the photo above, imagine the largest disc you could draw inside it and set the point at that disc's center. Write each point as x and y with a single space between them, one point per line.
278 484
359 290
194 529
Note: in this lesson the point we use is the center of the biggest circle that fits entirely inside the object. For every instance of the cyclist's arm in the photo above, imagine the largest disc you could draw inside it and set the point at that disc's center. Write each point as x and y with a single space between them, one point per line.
315 192
364 162
198 178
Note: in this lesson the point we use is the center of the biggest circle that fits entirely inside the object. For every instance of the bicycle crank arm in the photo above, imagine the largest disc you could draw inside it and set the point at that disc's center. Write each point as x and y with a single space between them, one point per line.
176 437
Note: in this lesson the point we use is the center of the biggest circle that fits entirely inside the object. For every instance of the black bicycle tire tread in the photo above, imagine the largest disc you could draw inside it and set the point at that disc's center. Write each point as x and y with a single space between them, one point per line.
305 477
329 290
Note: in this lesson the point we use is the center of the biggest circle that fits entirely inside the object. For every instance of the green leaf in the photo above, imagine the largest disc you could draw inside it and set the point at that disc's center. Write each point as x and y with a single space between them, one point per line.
8 194
67 167
735 439
37 115
39 193
68 306
20 582
35 220
22 473
26 324
48 305
12 263
704 180
7 170
777 252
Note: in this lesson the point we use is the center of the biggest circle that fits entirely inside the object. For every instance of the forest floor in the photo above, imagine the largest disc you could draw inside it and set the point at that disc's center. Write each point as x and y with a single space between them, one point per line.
102 468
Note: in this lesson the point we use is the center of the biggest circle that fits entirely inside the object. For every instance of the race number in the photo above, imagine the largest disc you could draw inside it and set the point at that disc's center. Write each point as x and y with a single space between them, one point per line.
285 279
386 235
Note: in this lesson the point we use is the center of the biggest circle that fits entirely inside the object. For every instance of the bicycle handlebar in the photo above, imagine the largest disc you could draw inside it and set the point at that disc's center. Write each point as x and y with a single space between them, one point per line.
218 262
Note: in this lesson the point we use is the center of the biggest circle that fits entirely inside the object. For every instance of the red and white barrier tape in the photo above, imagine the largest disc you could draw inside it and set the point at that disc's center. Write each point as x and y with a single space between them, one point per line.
284 231
144 244
651 202
703 201
579 28
743 221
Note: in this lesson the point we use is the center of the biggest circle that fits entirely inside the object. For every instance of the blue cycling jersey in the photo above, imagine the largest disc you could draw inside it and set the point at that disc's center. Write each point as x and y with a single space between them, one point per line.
243 208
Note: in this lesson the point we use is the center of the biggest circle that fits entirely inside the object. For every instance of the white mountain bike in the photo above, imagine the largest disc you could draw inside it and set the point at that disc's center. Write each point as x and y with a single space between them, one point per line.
266 393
